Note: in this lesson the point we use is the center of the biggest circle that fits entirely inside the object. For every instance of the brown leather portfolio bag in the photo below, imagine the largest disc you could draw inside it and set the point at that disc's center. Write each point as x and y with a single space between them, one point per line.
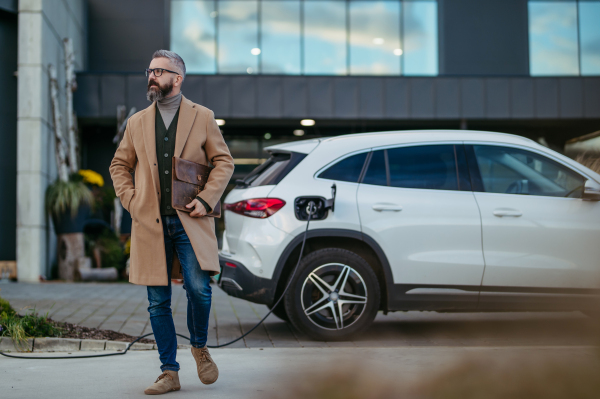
188 179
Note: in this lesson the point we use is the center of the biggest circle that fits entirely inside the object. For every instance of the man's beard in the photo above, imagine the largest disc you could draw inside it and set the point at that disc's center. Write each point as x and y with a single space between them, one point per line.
163 91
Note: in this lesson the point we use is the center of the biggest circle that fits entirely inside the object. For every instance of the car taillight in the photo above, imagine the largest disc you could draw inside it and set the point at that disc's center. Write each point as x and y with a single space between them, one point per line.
257 207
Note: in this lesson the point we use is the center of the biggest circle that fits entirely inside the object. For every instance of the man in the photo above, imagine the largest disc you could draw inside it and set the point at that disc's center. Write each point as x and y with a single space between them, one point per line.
160 235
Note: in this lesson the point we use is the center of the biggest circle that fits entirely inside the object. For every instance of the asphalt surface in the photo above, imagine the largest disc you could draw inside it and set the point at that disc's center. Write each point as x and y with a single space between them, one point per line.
122 307
402 348
257 373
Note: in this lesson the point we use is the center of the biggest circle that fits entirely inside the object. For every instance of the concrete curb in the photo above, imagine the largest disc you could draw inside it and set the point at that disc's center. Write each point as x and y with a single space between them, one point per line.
50 344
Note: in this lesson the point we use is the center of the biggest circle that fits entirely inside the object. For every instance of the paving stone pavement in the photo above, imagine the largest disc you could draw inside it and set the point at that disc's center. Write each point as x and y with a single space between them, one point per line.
122 307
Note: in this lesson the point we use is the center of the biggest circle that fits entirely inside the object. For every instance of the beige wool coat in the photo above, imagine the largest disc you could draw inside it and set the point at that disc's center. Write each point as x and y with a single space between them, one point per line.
198 139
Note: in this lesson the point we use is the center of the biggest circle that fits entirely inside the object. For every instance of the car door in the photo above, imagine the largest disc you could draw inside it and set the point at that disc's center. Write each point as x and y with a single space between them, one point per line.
416 202
538 234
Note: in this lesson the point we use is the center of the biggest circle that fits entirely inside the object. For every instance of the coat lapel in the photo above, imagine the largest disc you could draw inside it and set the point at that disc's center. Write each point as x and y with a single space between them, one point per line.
148 123
187 115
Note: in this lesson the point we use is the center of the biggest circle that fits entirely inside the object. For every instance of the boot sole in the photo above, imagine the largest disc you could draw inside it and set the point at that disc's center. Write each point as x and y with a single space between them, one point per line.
210 382
161 393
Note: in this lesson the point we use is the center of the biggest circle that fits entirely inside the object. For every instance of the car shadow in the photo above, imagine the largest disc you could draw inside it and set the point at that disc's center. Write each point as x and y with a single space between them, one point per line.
481 329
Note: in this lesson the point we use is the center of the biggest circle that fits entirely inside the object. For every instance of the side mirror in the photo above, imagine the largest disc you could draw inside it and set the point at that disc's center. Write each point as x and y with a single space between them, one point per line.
591 193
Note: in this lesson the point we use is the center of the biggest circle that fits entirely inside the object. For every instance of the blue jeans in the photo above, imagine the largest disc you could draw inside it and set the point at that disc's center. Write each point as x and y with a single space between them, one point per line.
196 283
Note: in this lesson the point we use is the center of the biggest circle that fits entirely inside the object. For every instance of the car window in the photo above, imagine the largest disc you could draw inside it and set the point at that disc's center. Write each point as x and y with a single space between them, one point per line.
425 167
347 169
514 171
272 171
376 171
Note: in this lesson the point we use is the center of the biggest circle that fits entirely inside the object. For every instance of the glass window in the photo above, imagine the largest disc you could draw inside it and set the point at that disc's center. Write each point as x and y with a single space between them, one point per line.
193 34
273 170
375 38
324 37
420 38
376 172
589 36
515 171
428 167
553 38
313 37
238 36
346 170
280 37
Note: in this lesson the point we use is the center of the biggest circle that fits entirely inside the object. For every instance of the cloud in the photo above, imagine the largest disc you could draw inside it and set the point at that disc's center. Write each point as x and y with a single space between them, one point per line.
553 62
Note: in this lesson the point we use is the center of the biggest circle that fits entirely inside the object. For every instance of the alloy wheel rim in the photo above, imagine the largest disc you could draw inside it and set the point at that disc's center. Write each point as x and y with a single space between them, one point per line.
334 296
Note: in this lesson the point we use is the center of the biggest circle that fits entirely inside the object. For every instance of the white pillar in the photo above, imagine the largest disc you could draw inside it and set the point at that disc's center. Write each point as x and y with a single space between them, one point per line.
42 26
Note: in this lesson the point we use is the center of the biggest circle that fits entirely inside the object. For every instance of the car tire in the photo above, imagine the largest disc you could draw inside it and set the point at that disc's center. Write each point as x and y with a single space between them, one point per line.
318 305
280 312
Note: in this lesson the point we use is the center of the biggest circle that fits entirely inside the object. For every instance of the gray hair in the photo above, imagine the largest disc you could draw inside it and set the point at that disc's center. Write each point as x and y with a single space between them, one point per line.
174 58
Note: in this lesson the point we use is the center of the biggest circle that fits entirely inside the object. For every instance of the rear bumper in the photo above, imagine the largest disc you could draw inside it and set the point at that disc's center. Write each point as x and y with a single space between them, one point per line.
237 281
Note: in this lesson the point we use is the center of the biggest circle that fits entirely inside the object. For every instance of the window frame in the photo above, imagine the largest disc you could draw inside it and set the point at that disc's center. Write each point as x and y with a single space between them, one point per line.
341 158
477 180
579 45
368 163
463 173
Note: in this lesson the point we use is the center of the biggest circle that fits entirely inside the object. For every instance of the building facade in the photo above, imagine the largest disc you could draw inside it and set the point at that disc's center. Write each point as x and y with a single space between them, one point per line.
527 67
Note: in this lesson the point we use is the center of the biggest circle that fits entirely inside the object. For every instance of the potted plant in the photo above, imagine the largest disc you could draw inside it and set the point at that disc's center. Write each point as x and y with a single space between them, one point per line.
69 203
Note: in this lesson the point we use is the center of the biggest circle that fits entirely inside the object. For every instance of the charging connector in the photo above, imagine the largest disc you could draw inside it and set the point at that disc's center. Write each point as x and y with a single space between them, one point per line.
321 206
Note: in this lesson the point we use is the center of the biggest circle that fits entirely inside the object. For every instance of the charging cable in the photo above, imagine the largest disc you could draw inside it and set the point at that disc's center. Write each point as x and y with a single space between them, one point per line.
311 210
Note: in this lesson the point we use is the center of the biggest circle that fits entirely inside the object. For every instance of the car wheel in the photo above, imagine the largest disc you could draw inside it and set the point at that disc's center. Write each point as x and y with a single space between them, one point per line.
280 312
334 295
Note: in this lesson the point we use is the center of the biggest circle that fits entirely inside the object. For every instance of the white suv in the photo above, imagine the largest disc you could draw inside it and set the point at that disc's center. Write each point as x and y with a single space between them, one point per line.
422 220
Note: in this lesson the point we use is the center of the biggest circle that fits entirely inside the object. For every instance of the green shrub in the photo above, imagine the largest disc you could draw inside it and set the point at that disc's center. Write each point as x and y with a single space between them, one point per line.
113 253
5 308
19 328
111 250
39 326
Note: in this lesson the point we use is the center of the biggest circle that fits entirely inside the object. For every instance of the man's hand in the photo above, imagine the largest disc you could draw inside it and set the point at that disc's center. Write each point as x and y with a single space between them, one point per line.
199 209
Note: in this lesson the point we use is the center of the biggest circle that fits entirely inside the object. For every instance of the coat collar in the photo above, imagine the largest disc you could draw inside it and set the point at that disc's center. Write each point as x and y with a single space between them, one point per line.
187 116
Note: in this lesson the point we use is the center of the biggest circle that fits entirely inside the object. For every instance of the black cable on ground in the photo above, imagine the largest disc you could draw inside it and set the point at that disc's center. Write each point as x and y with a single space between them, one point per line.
312 208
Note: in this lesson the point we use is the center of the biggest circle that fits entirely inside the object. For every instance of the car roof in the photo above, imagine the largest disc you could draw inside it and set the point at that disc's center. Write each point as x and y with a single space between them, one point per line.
356 141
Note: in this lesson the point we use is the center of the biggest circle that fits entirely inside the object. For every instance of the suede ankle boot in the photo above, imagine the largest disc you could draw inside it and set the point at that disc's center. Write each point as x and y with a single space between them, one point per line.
166 382
207 369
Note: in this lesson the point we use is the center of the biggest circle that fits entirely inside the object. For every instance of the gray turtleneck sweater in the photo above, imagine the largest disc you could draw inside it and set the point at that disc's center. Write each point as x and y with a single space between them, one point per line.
168 107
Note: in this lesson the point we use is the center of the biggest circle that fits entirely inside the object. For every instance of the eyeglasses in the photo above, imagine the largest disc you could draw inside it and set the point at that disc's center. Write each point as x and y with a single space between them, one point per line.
158 71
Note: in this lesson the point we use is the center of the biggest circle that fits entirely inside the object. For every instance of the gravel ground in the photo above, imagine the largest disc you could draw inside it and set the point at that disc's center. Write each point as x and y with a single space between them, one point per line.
82 332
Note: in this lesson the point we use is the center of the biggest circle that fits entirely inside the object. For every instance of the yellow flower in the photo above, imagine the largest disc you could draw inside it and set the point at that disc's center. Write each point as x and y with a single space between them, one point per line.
91 177
128 246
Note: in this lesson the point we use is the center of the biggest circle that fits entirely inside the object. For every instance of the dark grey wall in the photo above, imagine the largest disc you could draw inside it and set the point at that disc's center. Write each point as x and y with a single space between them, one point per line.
123 34
8 136
483 37
9 5
356 98
98 149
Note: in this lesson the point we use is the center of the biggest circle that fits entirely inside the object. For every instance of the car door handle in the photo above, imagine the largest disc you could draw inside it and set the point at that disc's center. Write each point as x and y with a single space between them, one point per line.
387 207
507 212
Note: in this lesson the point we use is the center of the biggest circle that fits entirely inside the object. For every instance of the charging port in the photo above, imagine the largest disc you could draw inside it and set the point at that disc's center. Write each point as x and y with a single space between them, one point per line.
301 208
